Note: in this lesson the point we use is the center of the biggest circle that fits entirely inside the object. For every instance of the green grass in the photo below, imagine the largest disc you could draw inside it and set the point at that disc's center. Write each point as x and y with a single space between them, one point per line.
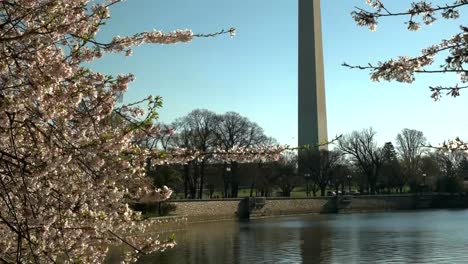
298 192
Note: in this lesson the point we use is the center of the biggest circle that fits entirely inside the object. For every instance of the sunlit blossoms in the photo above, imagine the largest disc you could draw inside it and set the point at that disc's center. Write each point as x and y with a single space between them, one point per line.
454 145
403 69
69 161
250 154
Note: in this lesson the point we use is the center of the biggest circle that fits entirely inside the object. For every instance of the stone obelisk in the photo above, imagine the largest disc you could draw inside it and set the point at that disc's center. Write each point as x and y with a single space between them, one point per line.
312 116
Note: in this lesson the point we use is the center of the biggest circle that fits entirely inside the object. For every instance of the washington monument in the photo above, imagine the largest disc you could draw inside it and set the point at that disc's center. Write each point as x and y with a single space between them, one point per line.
312 115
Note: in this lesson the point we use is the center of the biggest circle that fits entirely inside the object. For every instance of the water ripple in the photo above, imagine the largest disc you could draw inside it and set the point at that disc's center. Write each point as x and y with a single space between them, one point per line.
396 237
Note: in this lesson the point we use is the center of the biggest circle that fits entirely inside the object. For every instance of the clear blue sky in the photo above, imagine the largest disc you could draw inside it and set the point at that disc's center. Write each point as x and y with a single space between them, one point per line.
255 73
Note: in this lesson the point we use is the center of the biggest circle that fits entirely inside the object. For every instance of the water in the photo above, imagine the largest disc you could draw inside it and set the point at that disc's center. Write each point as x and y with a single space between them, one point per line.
397 237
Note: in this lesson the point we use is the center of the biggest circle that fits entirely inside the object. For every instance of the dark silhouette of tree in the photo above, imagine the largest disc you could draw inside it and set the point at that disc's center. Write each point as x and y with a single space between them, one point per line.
410 146
319 164
168 175
196 131
205 131
286 174
392 176
235 131
463 168
265 179
182 139
430 167
339 177
451 166
200 125
362 147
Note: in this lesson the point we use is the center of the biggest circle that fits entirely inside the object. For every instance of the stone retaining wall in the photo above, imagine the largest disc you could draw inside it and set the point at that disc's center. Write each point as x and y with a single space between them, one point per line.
349 204
206 210
291 206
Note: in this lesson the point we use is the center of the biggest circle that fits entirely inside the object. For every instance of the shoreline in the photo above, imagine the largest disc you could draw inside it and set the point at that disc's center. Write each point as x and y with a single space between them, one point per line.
205 211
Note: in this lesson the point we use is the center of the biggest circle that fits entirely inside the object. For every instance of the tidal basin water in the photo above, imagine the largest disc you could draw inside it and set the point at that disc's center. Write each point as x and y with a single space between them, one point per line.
393 237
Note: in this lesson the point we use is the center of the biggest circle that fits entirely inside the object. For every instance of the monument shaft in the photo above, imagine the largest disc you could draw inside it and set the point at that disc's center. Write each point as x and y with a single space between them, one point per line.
312 116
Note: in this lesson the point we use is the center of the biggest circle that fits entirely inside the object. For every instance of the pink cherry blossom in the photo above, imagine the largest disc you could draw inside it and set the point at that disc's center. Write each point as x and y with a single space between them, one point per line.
69 157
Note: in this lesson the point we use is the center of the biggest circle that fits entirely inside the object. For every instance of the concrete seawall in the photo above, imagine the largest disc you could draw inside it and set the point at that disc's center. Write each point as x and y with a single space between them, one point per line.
206 210
375 203
254 207
291 206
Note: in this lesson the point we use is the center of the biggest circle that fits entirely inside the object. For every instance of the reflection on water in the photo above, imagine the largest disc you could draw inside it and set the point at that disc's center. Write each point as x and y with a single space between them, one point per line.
396 237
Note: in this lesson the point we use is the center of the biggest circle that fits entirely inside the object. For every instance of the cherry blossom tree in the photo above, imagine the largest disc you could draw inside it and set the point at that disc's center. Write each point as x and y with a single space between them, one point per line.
67 169
404 68
71 158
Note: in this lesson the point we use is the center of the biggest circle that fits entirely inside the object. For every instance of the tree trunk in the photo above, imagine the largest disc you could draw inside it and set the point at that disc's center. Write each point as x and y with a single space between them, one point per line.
234 180
225 180
186 178
202 179
193 187
286 192
211 189
322 190
252 186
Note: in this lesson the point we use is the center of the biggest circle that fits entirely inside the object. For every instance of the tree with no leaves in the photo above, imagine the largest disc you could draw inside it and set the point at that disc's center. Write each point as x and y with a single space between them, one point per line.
362 147
340 175
286 177
320 165
451 167
235 131
410 146
197 132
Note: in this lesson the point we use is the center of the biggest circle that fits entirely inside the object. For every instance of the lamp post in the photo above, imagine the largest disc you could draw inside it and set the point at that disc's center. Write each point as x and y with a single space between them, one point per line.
349 182
307 176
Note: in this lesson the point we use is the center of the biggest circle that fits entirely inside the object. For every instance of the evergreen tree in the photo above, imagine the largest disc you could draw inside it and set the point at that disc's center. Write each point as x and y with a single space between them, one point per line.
391 176
388 153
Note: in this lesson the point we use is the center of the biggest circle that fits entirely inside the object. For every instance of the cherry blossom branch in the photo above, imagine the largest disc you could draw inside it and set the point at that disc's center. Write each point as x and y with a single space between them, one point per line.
451 145
243 154
416 10
403 69
126 242
451 91
231 32
63 162
369 19
377 68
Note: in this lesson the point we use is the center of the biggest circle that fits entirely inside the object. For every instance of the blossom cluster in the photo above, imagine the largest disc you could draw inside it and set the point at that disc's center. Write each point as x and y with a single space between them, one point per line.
403 68
454 145
238 154
424 9
70 158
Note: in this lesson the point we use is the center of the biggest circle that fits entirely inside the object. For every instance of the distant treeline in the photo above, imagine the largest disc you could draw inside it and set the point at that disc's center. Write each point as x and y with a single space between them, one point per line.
355 163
